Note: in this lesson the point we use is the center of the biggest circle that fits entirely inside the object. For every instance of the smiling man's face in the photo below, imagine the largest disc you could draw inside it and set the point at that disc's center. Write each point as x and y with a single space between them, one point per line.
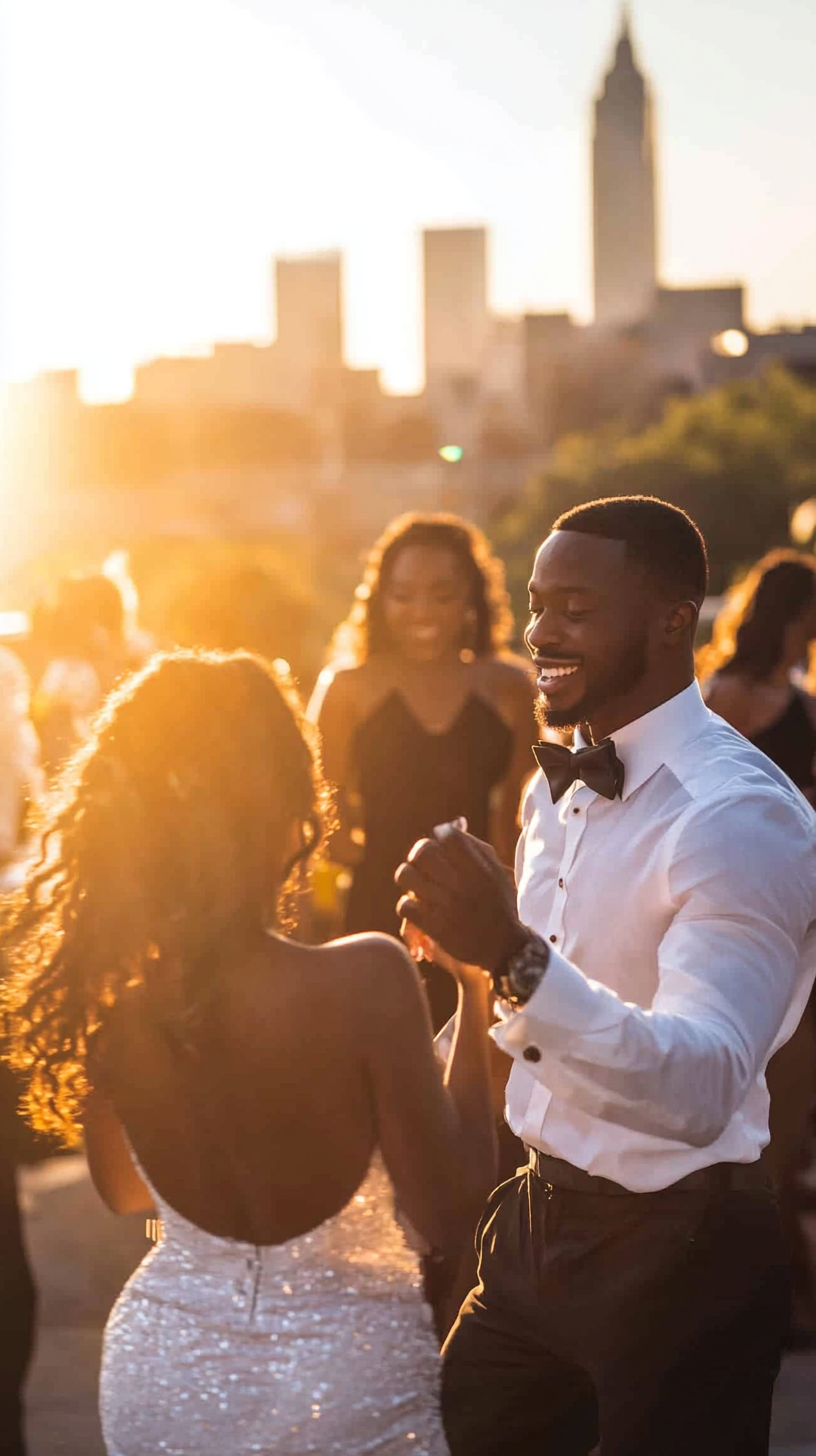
594 622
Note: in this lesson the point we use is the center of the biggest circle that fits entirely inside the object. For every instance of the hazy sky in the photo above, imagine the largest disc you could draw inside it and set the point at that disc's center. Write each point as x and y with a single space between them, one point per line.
155 153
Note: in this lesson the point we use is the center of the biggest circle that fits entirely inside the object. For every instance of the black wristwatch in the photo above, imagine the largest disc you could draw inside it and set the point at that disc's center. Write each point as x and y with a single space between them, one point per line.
522 972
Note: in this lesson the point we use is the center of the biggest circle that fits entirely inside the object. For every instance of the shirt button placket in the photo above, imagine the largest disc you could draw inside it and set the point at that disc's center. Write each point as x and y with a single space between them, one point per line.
574 820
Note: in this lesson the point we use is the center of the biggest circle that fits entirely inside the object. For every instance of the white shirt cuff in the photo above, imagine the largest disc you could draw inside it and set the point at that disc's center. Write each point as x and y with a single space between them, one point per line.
565 1005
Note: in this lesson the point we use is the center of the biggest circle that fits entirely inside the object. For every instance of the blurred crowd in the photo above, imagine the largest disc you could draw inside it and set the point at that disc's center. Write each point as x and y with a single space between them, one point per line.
439 724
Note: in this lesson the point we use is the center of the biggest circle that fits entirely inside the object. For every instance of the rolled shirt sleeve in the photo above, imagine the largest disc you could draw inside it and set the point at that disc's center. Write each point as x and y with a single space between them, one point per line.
740 873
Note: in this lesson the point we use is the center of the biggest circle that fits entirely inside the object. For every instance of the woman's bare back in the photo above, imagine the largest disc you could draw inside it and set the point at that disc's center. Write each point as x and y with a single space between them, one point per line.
261 1123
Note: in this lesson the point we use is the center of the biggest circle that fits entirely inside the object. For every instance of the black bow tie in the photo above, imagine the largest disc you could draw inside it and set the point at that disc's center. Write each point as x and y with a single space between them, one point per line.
597 766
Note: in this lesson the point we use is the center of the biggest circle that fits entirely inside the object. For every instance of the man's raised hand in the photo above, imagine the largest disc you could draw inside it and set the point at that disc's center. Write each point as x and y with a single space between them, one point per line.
456 891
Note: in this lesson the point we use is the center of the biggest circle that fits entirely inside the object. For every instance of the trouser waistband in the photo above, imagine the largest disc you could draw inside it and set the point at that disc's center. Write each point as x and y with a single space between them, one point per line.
717 1178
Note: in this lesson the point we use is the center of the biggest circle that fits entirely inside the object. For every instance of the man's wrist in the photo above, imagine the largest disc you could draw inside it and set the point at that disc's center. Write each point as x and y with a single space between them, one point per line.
516 936
522 968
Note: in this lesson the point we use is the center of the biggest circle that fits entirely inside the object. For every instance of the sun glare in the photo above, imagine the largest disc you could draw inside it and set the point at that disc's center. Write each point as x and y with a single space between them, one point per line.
803 522
731 344
106 383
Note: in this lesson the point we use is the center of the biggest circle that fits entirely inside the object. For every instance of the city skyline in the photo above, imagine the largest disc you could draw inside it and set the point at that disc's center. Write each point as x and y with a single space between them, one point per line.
119 276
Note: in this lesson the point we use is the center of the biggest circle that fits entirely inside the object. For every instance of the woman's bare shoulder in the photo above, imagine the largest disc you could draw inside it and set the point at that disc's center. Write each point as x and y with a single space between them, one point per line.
366 955
374 975
338 696
332 991
727 693
508 681
359 958
342 681
357 683
748 706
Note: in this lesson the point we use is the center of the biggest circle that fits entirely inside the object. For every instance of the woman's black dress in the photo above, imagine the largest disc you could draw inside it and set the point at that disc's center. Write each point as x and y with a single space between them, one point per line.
409 780
790 742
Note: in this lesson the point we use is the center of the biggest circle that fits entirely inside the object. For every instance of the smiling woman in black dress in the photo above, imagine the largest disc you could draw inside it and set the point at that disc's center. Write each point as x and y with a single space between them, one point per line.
424 714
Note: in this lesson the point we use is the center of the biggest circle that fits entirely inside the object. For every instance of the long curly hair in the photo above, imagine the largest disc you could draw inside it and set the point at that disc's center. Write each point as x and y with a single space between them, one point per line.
749 631
364 632
200 787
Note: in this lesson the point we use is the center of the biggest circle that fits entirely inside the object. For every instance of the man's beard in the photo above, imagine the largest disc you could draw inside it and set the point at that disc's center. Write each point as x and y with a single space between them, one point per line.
612 682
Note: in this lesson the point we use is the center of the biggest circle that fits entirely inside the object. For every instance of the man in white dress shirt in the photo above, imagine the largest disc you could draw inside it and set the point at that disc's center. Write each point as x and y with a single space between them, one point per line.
632 1280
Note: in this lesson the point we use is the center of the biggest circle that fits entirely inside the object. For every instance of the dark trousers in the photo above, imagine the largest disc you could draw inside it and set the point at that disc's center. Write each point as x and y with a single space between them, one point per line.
650 1321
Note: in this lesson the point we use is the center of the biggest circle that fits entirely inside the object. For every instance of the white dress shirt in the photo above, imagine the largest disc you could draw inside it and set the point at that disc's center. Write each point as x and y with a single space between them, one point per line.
682 925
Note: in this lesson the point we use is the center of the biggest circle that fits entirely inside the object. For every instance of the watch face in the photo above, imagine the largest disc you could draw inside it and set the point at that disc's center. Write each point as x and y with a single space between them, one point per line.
527 969
523 972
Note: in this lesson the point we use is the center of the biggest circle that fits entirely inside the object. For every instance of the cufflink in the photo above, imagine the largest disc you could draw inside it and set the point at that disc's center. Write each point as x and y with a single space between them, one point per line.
531 1054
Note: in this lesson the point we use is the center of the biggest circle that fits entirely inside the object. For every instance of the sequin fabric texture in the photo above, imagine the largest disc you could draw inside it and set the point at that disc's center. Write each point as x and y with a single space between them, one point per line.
322 1344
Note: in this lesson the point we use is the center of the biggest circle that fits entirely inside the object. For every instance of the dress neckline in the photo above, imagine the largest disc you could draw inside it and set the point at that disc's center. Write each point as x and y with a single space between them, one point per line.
395 694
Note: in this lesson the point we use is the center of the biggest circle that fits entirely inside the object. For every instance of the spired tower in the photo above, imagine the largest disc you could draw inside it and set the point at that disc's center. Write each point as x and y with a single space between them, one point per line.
623 184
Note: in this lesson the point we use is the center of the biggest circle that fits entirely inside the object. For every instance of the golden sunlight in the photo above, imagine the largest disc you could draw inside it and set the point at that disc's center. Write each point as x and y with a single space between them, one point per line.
106 382
731 344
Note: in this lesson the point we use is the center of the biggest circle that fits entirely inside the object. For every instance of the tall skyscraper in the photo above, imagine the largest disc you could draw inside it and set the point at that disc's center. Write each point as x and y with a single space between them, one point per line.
455 302
625 241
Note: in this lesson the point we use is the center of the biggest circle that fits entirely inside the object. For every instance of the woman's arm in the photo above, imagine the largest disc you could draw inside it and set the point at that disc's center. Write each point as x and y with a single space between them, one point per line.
517 704
333 707
421 947
436 1130
109 1159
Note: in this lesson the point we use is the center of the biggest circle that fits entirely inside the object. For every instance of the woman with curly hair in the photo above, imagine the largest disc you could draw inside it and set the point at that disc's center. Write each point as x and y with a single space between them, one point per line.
425 716
762 637
266 1098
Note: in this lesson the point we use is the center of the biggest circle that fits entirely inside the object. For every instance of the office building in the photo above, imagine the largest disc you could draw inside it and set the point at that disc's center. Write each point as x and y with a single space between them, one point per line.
623 182
309 296
456 315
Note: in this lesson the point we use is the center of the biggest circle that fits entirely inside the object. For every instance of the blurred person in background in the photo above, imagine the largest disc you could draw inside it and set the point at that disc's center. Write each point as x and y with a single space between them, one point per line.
17 1295
84 642
245 607
154 997
753 669
424 714
753 673
21 780
20 784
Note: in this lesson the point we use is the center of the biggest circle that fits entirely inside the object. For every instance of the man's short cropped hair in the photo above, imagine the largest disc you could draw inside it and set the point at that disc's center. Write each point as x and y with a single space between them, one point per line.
659 537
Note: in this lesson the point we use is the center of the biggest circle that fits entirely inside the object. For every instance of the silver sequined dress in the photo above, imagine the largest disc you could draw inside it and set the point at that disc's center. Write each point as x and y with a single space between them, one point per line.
321 1344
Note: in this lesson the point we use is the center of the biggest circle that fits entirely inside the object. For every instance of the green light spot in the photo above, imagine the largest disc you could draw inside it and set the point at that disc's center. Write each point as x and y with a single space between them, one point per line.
452 453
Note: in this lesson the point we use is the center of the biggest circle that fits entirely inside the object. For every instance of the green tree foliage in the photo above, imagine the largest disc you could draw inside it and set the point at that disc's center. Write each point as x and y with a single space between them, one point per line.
738 459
